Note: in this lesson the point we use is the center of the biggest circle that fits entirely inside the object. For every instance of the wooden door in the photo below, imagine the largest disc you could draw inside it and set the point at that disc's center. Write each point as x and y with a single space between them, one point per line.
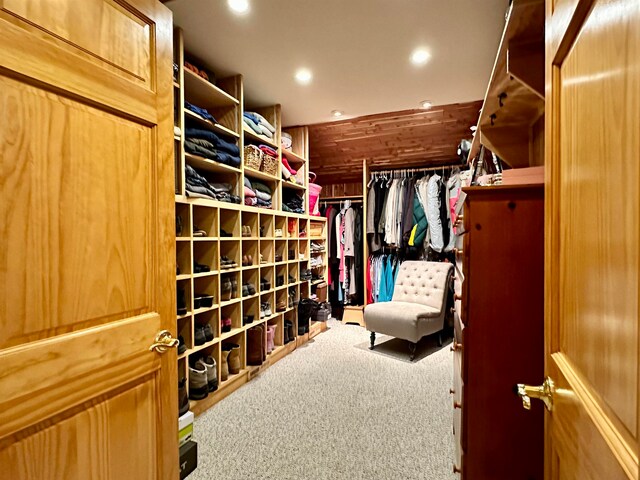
86 248
592 253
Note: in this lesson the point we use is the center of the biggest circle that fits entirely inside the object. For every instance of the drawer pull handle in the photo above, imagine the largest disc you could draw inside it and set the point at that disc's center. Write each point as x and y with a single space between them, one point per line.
455 346
457 405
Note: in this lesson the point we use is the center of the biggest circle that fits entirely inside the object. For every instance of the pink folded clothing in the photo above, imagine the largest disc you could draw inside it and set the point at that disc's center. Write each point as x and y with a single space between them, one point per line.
268 150
248 192
286 165
251 201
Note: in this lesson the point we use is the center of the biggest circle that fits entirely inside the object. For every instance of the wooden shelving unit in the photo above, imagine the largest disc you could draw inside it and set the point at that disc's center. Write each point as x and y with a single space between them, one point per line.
511 122
225 101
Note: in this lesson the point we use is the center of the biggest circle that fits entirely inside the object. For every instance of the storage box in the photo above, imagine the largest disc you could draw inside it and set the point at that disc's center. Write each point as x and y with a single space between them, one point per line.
188 458
322 313
185 428
321 292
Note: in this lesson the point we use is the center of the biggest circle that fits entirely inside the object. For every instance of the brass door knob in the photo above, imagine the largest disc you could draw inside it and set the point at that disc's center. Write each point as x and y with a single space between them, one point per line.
545 392
457 297
457 251
163 342
455 346
456 469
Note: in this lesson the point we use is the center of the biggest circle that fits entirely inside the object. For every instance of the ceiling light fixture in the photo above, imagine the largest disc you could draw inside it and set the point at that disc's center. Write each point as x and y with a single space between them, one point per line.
426 104
239 6
420 56
337 113
304 76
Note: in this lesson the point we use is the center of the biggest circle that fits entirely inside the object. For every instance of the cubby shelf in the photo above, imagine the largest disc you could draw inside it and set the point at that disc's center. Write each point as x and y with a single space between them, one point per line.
225 102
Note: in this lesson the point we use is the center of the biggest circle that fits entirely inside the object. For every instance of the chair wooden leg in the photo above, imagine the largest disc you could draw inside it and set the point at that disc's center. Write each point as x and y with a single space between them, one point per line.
373 340
440 338
412 350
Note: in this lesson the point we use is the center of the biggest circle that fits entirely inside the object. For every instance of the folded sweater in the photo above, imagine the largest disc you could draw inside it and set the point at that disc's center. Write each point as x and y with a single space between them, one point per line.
218 143
260 120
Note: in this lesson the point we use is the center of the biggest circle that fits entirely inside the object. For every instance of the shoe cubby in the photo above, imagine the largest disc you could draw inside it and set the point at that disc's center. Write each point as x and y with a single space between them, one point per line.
267 273
267 252
208 350
280 227
250 220
183 221
278 322
283 272
292 228
230 225
231 250
304 292
267 298
230 287
212 318
250 277
292 270
183 260
239 340
205 287
299 145
185 330
250 253
205 219
292 317
233 312
292 250
280 251
303 228
294 294
266 226
256 345
183 293
182 369
251 306
205 254
281 304
303 250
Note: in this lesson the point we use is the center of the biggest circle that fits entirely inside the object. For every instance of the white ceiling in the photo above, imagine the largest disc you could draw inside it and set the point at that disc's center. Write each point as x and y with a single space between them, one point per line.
358 51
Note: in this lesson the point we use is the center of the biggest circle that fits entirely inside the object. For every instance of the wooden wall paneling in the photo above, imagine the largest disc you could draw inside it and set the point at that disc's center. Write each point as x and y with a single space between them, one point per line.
395 139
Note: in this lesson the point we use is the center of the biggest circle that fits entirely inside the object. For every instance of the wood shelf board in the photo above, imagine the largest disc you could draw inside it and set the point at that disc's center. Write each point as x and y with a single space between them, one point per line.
205 274
293 156
249 297
183 276
183 239
207 165
205 239
227 239
250 267
204 94
258 138
198 311
230 270
226 303
197 348
214 127
293 186
251 173
522 107
232 333
182 317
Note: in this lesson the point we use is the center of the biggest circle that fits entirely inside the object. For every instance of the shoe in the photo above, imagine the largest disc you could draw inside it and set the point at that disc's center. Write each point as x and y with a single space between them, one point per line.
200 337
303 234
279 280
262 314
182 347
207 329
182 305
246 231
226 289
234 287
224 365
245 261
225 234
285 333
247 319
278 257
183 397
286 165
212 372
204 300
278 233
291 254
264 285
255 345
226 324
200 268
226 262
317 247
281 306
248 289
198 386
235 365
288 331
262 231
178 226
198 232
262 260
267 309
292 279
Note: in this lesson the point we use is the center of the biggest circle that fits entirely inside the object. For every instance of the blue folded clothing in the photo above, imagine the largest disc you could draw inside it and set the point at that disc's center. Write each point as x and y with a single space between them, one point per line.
251 124
199 111
219 143
260 120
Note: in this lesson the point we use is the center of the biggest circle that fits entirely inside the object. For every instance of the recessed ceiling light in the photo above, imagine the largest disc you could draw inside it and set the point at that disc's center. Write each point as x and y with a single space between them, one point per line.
426 104
420 56
304 76
337 113
239 6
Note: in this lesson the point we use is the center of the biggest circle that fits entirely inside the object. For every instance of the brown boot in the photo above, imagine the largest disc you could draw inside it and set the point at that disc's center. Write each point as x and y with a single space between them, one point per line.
224 368
255 345
235 364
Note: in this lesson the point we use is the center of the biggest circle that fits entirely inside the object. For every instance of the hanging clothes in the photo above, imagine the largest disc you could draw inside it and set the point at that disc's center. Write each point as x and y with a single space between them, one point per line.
433 213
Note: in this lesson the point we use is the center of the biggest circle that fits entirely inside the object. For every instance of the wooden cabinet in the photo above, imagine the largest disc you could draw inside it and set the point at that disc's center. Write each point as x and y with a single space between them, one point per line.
498 334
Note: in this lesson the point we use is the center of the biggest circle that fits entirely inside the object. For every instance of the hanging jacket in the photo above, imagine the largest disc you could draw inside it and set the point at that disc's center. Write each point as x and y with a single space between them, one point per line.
453 193
433 213
420 224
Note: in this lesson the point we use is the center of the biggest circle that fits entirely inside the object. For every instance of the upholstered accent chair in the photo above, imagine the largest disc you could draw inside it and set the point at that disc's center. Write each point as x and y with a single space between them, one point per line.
418 306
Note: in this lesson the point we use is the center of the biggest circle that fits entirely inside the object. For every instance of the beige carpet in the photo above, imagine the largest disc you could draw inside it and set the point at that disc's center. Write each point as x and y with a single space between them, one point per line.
335 410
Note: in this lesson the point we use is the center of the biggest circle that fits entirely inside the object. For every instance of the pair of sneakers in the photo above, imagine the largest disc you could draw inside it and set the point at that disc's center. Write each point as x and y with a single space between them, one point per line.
203 334
203 377
265 310
246 231
226 262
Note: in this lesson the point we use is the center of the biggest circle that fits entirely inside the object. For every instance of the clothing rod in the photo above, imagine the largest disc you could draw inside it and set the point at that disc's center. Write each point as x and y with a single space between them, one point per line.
416 170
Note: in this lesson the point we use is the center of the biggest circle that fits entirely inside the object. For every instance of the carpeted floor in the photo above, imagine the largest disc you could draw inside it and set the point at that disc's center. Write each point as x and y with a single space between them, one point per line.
335 410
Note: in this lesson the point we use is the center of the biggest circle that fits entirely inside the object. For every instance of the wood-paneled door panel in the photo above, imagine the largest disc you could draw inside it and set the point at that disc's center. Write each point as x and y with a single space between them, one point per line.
592 257
87 252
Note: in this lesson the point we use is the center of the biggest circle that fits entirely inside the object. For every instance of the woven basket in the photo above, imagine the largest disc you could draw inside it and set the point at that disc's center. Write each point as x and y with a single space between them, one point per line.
252 157
269 164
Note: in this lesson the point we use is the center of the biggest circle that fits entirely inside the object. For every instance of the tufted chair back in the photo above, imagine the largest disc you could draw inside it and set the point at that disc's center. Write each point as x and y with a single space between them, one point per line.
425 283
